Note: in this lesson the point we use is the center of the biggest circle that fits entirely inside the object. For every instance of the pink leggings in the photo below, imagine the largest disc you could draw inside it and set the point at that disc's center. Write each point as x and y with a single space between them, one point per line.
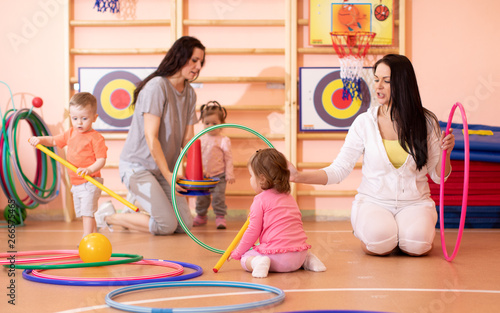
280 262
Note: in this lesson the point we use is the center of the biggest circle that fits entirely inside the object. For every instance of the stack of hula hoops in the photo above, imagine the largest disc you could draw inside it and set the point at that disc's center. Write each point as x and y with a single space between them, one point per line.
34 271
45 184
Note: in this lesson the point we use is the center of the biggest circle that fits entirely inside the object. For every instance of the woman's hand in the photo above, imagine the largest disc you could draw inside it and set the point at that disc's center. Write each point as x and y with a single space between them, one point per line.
447 141
293 171
179 188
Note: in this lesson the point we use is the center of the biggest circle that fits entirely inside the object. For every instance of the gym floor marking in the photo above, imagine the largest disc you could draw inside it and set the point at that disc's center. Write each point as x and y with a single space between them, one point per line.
96 307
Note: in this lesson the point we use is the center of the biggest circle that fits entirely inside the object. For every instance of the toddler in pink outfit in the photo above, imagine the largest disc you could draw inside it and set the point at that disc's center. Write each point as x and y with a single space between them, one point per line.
217 162
275 220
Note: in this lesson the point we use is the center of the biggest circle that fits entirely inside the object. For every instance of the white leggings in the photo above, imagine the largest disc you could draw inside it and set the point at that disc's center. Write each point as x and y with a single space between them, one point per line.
382 228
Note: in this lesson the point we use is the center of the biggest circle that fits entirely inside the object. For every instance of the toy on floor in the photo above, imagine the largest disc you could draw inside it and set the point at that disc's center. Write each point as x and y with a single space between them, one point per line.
42 256
279 296
95 247
124 259
36 276
231 247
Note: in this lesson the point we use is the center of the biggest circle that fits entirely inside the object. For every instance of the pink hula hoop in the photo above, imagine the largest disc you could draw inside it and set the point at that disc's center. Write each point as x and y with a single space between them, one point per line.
62 255
465 188
178 270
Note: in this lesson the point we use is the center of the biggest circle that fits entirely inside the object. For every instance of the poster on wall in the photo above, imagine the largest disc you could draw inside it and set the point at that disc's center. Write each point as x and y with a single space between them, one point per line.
322 104
327 16
114 89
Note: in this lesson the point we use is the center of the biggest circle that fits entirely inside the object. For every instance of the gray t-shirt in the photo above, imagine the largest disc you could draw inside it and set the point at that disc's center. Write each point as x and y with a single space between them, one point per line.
177 110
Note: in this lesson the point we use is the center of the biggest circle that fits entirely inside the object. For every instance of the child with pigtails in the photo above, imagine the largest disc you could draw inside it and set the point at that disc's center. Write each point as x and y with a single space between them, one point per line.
217 162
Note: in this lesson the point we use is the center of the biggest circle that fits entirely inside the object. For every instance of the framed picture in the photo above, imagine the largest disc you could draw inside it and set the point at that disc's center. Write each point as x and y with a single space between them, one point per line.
114 89
322 103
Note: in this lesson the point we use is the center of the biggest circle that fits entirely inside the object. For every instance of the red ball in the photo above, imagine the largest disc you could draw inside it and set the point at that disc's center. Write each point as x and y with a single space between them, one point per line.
37 102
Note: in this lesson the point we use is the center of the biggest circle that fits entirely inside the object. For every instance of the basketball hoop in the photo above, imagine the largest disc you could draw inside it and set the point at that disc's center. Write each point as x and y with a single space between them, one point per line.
124 8
351 47
104 5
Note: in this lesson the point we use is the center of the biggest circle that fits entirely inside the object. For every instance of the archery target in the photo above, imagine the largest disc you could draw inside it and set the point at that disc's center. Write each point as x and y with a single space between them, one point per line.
322 107
114 90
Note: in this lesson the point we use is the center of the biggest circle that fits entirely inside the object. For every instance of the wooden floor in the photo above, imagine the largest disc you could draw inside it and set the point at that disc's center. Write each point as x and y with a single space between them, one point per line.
353 281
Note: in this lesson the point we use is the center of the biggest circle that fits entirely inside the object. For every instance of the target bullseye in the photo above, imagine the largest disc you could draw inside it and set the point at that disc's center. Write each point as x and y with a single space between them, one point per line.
114 93
338 100
120 99
341 109
330 106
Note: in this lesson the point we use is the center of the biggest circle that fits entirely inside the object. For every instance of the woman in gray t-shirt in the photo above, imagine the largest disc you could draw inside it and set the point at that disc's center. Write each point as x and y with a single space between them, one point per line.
165 112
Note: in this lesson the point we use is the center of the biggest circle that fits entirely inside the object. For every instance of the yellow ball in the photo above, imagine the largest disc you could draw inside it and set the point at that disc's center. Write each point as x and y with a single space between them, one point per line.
94 248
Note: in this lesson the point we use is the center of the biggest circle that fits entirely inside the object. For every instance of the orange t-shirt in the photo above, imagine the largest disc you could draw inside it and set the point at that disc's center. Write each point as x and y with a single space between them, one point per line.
83 150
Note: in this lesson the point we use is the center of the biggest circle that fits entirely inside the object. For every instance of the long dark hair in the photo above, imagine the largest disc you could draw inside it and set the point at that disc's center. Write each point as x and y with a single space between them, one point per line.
177 56
411 118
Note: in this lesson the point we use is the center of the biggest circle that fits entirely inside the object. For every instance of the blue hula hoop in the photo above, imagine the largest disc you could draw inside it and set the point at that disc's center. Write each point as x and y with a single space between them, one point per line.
176 168
280 296
198 271
333 311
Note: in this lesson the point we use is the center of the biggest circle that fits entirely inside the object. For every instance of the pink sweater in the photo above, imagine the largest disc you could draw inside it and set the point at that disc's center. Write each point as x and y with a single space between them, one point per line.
276 221
216 156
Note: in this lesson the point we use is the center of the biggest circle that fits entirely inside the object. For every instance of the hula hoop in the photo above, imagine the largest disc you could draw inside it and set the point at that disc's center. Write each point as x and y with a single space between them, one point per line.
66 254
280 296
178 269
130 258
35 191
333 311
10 159
178 163
465 188
27 274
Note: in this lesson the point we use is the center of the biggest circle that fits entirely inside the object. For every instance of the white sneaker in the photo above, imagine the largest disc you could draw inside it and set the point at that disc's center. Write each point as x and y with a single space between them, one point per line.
313 264
260 265
130 198
105 209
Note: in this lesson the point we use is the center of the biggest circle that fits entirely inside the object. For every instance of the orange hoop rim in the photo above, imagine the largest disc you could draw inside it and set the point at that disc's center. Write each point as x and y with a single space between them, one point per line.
352 43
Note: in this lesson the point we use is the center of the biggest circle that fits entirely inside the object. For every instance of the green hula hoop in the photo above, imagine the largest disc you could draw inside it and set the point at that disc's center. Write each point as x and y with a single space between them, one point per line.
178 163
130 258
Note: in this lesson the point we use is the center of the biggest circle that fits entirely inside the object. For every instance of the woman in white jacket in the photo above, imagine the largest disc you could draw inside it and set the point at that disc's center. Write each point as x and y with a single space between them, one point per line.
400 142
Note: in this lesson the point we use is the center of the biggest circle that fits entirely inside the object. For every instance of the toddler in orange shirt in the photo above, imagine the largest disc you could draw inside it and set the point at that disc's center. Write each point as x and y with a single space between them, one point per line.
87 151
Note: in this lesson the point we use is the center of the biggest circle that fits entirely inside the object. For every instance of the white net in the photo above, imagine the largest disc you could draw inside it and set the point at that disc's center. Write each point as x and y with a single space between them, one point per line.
127 9
350 73
124 8
351 47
